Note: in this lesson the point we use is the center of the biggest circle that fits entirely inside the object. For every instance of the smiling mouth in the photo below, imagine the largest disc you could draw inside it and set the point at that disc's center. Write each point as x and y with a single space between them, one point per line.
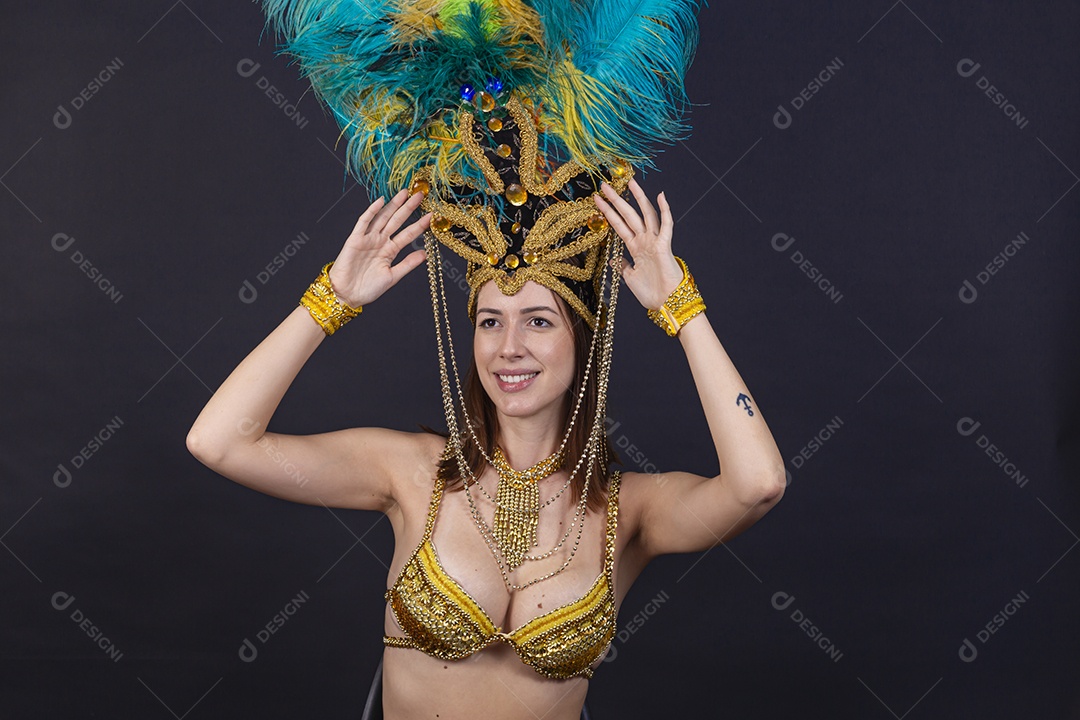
515 379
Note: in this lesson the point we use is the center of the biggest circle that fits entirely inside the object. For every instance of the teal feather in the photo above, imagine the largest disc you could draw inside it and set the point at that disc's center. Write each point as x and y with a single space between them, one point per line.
639 52
635 52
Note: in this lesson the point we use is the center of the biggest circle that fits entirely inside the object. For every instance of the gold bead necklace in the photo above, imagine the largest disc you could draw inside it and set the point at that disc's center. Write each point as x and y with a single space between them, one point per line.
613 253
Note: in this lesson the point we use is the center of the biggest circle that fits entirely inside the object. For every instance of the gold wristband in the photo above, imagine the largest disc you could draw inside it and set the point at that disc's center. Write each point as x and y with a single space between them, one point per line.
325 306
684 303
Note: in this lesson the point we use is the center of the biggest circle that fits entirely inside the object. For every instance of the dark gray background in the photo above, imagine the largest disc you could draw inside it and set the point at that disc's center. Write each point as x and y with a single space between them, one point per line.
899 538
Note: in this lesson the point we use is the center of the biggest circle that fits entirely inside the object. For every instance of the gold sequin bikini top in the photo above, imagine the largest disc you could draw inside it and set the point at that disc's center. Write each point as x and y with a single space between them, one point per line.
441 619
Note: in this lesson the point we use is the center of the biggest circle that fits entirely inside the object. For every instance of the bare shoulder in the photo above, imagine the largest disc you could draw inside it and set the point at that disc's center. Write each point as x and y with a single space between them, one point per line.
414 465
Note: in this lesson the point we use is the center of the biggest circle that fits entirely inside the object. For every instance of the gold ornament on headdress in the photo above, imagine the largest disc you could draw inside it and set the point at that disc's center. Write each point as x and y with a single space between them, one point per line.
497 246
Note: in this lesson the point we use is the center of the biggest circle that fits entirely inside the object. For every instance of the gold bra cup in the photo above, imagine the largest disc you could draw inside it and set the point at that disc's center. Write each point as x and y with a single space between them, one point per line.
441 619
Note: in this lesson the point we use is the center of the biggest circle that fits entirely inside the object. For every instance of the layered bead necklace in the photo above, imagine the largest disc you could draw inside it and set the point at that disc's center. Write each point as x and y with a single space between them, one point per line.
517 511
517 502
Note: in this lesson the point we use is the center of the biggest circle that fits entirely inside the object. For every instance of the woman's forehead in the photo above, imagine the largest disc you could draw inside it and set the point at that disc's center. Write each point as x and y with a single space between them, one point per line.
531 294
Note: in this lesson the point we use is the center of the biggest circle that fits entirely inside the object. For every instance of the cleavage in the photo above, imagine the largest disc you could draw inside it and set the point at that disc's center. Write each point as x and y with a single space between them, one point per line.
476 572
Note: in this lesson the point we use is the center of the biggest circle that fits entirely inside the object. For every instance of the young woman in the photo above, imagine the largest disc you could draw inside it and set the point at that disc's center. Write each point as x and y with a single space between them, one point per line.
475 625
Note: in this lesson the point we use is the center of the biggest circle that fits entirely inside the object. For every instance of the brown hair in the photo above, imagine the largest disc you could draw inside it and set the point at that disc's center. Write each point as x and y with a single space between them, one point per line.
482 412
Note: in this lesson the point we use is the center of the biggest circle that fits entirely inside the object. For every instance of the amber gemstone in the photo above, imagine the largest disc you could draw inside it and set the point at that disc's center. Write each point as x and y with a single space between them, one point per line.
420 185
512 261
516 227
619 170
503 150
487 102
531 258
597 223
516 194
495 124
493 258
440 223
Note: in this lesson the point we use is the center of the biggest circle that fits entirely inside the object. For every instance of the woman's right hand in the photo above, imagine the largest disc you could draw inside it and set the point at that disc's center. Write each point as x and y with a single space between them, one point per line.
362 271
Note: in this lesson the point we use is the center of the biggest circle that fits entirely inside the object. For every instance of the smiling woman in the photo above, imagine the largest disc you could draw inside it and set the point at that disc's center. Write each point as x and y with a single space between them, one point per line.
515 539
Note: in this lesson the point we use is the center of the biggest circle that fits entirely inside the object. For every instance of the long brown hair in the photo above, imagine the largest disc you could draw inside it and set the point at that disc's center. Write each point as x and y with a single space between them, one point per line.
486 425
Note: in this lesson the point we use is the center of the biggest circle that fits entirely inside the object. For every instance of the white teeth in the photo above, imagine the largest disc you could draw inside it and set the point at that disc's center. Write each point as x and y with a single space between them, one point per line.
516 378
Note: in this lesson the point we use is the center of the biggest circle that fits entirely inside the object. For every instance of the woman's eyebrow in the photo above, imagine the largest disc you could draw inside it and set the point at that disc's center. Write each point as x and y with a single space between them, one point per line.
538 308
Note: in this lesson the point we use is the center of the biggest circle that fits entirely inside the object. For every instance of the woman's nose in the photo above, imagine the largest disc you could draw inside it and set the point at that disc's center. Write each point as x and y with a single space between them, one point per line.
511 344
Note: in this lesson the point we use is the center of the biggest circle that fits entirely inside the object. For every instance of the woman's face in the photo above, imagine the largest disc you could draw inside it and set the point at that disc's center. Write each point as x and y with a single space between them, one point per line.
523 348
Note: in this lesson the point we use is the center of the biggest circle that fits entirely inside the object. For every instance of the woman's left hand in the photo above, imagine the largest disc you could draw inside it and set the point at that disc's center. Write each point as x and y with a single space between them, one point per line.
655 273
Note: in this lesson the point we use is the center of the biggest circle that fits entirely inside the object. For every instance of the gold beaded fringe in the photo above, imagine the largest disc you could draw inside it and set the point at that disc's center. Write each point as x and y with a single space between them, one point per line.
517 508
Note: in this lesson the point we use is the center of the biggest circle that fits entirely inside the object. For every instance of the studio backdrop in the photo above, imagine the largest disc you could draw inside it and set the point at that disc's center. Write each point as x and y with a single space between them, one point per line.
879 204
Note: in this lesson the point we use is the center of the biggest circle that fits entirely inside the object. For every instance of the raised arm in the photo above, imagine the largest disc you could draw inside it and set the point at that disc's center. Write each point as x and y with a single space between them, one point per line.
345 468
680 511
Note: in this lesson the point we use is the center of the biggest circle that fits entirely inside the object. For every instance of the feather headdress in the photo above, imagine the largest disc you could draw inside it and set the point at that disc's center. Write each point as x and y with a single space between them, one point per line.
606 76
507 114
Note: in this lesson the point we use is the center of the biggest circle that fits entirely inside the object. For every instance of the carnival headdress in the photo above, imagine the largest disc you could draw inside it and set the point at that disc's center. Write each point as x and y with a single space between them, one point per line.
508 114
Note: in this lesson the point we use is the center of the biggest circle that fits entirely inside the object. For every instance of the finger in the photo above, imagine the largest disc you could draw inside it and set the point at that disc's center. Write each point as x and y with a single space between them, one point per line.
386 212
624 208
365 218
403 212
667 220
408 264
652 224
616 222
409 234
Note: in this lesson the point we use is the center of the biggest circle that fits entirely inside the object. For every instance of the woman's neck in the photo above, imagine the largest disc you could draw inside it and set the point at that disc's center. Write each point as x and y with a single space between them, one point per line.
527 441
